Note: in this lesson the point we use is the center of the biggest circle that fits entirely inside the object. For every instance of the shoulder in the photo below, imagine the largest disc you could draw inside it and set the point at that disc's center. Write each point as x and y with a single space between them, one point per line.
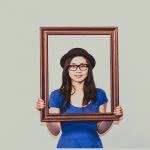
56 92
100 91
55 98
101 96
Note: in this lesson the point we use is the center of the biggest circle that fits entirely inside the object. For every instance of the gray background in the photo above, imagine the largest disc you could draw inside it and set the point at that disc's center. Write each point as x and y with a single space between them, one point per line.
20 67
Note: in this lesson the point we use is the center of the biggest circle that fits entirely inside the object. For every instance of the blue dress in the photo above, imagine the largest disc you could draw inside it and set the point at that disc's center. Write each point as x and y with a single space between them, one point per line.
79 134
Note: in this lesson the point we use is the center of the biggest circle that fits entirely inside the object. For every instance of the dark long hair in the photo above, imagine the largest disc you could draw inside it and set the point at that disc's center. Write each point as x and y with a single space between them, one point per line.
89 87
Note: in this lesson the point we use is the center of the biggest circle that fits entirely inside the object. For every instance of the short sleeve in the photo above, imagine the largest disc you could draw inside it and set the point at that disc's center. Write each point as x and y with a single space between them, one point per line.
55 99
101 97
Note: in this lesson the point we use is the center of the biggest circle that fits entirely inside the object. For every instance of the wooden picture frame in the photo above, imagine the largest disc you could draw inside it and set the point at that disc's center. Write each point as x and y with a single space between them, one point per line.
114 71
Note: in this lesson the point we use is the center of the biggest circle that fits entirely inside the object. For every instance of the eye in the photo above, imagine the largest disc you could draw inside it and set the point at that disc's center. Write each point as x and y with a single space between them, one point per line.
83 65
73 66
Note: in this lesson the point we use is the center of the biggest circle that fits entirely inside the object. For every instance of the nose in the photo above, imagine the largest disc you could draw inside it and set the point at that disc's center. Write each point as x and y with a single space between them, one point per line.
78 69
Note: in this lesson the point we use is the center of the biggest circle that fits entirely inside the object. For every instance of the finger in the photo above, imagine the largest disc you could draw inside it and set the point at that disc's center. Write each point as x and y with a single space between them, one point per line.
40 102
39 99
118 109
40 106
118 113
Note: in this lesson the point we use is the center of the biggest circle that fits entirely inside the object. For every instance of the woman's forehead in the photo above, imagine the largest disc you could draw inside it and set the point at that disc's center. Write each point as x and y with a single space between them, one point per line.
78 60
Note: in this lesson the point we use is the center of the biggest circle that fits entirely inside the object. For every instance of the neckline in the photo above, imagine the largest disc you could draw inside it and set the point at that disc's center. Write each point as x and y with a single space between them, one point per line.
81 107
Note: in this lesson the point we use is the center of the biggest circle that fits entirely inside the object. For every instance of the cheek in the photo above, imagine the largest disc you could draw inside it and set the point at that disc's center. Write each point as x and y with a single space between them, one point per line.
71 74
85 74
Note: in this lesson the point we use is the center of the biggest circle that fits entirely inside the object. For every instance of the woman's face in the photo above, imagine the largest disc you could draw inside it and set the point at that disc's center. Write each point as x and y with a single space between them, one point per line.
78 73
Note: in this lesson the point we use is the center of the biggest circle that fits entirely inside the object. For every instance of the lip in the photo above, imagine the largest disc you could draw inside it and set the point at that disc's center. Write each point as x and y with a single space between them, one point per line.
78 76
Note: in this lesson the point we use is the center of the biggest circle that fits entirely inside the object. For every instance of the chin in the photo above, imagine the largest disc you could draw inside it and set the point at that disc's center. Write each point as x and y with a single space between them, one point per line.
78 80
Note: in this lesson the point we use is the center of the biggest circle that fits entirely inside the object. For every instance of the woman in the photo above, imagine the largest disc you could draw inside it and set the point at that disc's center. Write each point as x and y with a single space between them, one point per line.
78 94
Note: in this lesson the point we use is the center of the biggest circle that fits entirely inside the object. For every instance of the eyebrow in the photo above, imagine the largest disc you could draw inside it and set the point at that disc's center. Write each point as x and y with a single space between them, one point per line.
76 64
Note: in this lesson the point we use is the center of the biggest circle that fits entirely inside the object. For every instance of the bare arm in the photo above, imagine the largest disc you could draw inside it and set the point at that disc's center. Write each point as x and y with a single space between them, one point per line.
54 127
103 126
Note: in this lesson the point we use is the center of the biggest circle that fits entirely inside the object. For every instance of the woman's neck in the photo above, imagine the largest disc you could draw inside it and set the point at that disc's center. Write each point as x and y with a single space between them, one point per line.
78 85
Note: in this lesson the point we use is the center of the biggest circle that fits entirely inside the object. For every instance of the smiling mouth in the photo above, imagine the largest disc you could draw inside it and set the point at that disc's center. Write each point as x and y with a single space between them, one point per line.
78 76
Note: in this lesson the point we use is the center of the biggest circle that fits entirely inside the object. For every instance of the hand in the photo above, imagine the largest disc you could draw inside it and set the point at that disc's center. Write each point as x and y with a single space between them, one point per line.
40 104
118 111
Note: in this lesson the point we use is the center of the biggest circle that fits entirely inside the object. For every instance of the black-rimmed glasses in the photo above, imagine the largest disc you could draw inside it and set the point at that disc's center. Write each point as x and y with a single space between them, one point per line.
82 67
